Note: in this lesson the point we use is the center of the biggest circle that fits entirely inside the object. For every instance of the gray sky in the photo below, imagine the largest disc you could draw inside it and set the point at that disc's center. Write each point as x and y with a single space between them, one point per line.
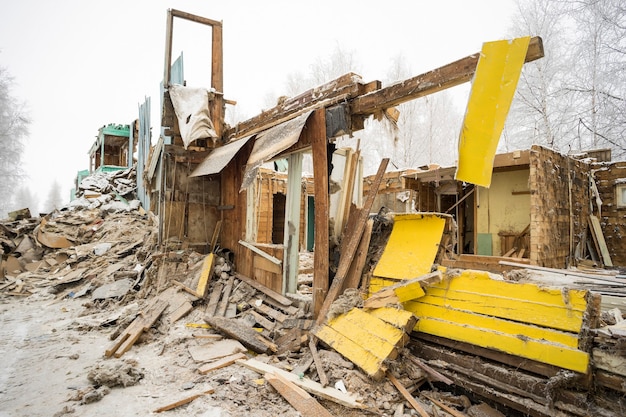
80 65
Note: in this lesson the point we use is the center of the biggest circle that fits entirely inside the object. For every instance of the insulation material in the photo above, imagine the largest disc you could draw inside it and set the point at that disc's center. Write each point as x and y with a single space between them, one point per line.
191 106
495 81
217 160
270 143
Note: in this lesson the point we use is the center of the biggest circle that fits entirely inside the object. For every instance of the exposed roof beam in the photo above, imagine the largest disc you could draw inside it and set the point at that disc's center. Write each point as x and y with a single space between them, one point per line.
449 75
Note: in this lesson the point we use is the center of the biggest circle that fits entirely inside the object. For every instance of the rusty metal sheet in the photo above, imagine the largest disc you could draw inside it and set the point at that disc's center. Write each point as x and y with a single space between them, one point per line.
217 160
271 142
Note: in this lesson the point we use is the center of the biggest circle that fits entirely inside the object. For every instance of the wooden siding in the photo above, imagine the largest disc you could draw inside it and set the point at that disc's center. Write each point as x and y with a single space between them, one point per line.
613 218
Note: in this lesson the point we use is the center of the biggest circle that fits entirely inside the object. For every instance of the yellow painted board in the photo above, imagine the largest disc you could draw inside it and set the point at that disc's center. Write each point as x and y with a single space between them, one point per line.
530 312
409 292
412 246
512 328
203 282
379 337
357 354
378 283
563 357
481 282
396 317
493 87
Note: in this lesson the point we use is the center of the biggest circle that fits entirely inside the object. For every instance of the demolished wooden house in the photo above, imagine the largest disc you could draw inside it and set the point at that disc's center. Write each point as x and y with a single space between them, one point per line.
206 189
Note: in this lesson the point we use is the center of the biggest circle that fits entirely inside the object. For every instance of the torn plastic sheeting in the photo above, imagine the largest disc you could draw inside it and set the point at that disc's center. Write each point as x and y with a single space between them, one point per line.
217 160
493 88
191 106
270 143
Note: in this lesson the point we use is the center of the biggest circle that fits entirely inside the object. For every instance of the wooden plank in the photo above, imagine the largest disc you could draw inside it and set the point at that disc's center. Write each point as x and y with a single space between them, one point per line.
214 299
353 277
267 265
353 241
402 291
442 78
223 304
267 324
270 312
319 149
299 399
221 363
184 401
312 387
181 311
260 252
267 291
596 230
205 276
215 350
407 395
318 362
247 336
216 234
445 408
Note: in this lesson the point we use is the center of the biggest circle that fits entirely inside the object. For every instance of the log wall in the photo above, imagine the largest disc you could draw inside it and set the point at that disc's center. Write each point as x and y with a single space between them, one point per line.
608 178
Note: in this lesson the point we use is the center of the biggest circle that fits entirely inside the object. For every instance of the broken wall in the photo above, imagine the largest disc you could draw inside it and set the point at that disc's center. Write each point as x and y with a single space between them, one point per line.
611 182
559 206
503 209
190 205
392 193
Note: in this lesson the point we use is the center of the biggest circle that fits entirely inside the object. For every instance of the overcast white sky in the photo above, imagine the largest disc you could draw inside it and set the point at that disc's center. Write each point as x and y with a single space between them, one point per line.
82 64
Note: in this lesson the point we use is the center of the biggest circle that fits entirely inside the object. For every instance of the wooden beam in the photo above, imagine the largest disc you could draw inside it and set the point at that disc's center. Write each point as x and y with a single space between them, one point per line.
291 237
353 277
317 125
340 89
299 399
260 252
407 395
267 291
318 362
442 78
184 401
353 241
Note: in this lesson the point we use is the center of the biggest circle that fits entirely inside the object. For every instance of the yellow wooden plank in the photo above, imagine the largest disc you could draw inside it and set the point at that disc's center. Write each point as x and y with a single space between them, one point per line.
412 246
378 337
203 282
396 317
474 291
378 283
357 354
537 350
512 328
497 73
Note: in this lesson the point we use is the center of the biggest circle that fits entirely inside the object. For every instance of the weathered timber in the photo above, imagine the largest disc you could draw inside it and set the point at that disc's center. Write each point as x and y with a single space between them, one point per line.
442 78
353 277
223 304
407 395
220 363
184 401
260 287
310 386
319 148
318 362
299 399
214 299
246 335
348 85
445 408
353 241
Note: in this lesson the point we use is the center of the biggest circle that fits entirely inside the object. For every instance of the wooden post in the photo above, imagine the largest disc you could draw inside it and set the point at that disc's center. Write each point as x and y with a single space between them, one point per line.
217 80
292 224
317 124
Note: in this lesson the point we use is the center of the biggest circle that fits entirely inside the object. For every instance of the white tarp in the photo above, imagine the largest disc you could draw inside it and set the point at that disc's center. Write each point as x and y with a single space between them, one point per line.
191 106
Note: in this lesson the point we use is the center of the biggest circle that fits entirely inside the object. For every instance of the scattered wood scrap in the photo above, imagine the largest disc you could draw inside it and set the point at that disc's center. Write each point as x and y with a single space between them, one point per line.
296 396
402 291
132 333
250 338
184 401
221 363
310 386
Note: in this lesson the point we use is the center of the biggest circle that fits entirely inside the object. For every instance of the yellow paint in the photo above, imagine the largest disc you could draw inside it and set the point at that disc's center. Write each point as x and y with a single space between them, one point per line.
203 282
409 292
493 87
494 324
412 246
541 351
198 325
394 316
377 284
524 302
367 338
359 355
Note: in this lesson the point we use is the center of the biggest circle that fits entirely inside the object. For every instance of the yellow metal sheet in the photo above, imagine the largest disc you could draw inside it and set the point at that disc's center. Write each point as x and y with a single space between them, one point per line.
493 88
412 246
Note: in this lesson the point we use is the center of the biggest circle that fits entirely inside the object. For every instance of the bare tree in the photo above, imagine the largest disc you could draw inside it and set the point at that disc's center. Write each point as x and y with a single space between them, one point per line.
25 198
14 124
573 98
54 200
